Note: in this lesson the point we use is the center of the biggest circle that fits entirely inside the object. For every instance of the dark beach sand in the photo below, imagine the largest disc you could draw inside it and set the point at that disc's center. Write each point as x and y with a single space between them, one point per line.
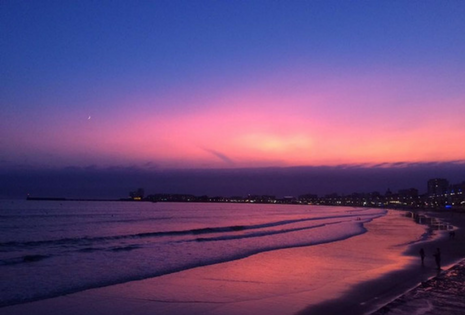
440 295
277 282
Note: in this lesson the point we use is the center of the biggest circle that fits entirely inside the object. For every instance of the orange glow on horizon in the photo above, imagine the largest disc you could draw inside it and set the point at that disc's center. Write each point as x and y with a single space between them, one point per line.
340 122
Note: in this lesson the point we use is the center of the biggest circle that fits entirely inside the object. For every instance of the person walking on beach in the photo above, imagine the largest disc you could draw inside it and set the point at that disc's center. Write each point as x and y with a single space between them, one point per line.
422 256
437 257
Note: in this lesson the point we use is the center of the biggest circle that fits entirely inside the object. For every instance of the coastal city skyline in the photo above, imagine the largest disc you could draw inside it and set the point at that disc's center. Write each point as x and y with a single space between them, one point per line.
440 194
229 96
253 157
114 183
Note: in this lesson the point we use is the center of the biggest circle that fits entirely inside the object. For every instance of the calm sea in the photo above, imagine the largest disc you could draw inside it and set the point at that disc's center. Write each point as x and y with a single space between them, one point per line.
49 248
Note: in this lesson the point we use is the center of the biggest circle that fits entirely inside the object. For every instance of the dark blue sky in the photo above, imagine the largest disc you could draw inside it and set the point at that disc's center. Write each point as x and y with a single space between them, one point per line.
168 86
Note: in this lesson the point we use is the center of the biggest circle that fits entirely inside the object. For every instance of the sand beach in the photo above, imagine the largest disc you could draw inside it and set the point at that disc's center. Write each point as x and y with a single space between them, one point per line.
442 294
283 281
383 295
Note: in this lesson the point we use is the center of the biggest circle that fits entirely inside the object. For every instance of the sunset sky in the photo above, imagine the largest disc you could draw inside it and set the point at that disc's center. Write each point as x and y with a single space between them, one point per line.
175 85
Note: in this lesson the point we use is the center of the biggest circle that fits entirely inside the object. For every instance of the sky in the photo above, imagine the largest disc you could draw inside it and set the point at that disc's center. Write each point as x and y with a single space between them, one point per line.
145 88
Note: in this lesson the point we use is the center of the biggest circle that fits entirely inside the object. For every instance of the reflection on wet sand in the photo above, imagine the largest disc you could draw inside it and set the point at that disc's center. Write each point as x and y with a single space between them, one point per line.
433 223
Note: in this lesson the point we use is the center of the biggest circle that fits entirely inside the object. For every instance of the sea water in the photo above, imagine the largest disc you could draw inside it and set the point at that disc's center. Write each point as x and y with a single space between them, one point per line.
50 248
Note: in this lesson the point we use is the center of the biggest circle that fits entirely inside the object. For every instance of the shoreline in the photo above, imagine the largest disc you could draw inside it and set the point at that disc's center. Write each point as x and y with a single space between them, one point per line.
384 292
442 294
361 298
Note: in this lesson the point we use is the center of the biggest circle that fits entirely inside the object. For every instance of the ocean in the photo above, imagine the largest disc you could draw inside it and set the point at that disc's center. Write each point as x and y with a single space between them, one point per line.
51 248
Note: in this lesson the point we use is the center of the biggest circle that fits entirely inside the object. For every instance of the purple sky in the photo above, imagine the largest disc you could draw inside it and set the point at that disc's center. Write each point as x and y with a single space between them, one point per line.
212 87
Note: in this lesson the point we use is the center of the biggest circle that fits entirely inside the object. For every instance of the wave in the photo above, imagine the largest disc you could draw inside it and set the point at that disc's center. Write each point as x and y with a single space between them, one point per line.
258 234
23 259
90 219
357 229
256 231
199 231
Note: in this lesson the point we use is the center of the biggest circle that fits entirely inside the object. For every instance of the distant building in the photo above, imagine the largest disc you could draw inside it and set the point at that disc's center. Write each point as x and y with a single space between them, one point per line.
456 194
457 189
177 198
408 197
289 199
309 198
437 187
137 195
411 192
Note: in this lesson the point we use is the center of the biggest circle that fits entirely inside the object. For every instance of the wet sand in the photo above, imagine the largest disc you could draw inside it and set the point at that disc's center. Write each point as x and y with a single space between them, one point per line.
443 293
367 297
440 295
279 282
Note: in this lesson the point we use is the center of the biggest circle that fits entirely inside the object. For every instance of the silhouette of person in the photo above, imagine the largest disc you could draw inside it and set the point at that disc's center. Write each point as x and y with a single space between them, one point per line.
437 258
422 256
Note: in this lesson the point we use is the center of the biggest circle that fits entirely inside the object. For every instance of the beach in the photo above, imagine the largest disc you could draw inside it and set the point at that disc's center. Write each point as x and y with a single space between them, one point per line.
232 157
442 294
275 282
373 297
